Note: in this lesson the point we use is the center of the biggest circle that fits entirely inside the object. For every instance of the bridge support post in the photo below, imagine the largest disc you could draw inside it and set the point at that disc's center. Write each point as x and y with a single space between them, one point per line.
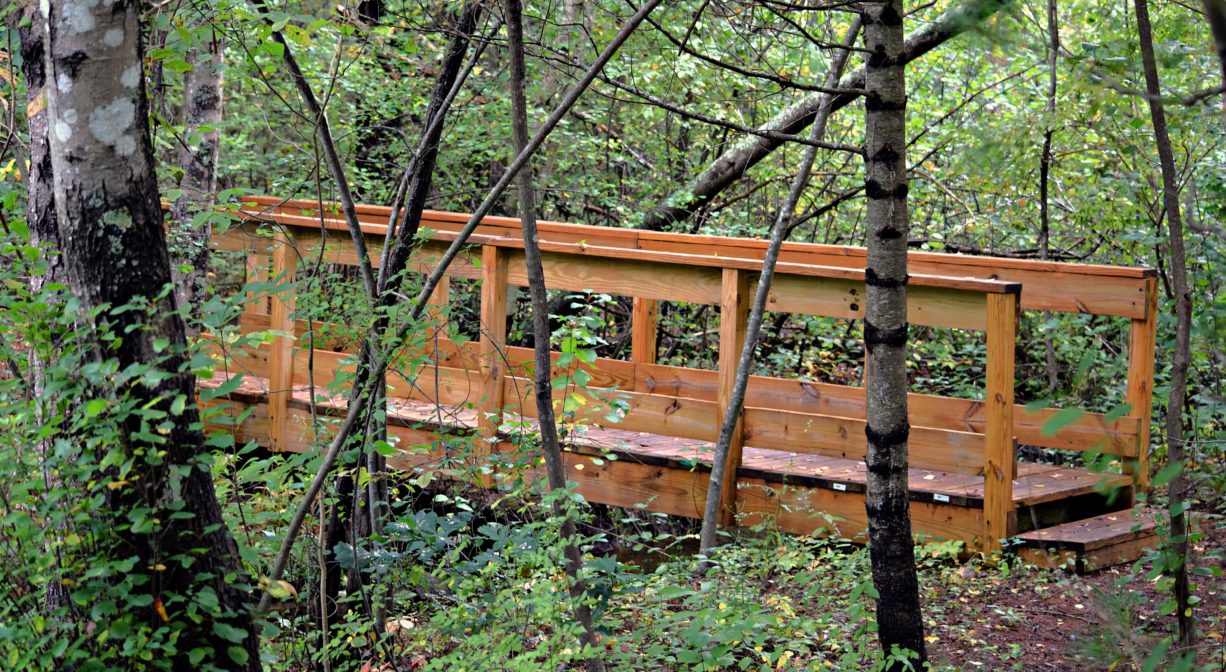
643 331
1000 459
1140 396
281 354
733 322
493 348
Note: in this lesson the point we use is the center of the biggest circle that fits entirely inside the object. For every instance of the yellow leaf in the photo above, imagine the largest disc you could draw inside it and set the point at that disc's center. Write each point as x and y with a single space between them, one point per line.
161 610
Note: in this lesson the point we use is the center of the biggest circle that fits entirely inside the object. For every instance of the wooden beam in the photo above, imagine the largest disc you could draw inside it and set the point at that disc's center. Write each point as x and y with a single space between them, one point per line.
733 319
644 330
1142 337
1000 463
813 434
281 353
493 343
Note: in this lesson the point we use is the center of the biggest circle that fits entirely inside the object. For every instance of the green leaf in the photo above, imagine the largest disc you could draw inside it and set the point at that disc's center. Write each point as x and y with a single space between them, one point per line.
1063 418
222 390
385 449
229 632
177 65
273 48
94 406
238 654
1038 405
1167 474
1119 412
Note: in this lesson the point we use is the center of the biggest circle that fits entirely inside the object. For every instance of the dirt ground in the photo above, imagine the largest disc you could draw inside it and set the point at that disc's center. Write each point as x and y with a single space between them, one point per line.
1032 619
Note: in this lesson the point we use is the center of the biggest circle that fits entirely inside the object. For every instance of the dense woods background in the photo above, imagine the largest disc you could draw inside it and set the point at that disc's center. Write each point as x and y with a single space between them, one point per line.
135 540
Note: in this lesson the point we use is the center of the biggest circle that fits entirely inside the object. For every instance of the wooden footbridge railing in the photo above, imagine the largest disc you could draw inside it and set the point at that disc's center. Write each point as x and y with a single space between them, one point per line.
800 447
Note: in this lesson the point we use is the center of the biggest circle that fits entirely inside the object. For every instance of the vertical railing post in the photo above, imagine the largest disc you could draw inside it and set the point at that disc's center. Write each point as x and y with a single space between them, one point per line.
643 330
281 354
257 272
1000 458
438 303
733 318
1140 394
493 347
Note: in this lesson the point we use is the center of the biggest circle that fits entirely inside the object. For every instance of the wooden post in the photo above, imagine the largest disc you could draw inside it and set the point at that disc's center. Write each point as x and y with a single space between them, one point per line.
1000 459
257 271
493 346
1140 394
733 319
439 299
281 354
643 330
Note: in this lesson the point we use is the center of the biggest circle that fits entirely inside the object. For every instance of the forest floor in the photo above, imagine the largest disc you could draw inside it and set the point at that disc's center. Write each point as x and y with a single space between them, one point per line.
1048 620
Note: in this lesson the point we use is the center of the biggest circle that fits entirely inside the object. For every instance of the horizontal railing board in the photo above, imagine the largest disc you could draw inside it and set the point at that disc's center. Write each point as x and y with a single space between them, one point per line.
961 305
1089 431
694 257
1047 282
936 449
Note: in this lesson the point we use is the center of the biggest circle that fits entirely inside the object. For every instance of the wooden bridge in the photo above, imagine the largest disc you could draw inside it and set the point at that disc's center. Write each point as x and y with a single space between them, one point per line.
799 455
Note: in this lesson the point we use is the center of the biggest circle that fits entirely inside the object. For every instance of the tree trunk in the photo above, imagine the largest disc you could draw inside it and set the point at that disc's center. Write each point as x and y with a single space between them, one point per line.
1215 12
190 235
44 233
114 254
40 203
735 162
719 479
555 466
891 546
1045 163
1181 358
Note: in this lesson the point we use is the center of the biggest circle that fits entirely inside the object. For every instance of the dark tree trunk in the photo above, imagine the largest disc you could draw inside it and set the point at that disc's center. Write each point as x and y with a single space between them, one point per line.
1215 12
354 514
1181 357
40 203
114 254
190 240
731 165
885 334
1045 165
555 466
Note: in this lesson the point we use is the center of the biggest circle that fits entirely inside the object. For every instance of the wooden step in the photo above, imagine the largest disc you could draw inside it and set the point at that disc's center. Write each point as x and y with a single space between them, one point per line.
1093 543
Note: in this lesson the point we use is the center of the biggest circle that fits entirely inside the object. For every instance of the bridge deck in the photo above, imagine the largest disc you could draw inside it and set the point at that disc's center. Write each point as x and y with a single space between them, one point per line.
1059 492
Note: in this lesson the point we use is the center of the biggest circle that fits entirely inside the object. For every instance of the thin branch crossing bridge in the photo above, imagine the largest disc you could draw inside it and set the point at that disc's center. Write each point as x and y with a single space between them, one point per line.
798 457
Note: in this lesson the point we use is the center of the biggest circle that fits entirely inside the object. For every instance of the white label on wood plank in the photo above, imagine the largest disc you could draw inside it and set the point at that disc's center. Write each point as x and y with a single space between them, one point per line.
841 487
938 497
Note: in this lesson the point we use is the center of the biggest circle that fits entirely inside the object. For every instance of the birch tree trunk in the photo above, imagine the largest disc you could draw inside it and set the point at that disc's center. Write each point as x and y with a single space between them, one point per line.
885 333
114 254
191 236
1182 356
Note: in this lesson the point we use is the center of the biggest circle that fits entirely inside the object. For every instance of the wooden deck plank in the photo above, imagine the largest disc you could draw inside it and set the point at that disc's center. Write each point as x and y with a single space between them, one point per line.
1036 483
1094 533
